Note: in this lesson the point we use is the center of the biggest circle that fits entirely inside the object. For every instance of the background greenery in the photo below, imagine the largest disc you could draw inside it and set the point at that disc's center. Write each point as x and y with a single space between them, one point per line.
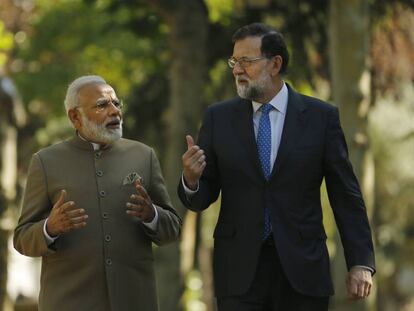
167 60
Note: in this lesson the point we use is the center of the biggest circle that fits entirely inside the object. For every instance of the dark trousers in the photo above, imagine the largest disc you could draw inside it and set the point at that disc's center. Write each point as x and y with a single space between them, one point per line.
270 290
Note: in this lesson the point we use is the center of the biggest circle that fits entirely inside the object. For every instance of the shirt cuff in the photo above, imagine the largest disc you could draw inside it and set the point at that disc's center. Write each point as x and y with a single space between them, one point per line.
153 223
49 240
365 267
188 191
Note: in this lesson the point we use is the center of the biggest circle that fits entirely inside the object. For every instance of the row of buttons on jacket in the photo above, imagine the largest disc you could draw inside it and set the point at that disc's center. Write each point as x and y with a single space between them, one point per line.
105 215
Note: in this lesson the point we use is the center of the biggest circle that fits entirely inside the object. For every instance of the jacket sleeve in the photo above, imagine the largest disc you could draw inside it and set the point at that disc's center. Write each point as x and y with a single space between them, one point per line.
169 223
28 236
209 184
346 198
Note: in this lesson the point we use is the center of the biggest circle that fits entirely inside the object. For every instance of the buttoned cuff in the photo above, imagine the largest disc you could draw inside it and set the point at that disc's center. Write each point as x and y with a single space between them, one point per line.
49 240
153 224
365 267
188 191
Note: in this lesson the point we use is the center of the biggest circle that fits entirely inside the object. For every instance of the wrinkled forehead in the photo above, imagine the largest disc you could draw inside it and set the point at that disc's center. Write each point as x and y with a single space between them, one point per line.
92 92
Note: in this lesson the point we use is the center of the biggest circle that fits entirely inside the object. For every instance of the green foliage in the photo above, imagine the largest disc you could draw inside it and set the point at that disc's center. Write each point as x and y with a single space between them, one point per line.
6 43
53 132
220 11
127 43
193 295
93 42
74 38
392 137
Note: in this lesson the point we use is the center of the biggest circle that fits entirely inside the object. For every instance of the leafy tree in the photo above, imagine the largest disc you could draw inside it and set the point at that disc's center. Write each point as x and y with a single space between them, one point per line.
167 59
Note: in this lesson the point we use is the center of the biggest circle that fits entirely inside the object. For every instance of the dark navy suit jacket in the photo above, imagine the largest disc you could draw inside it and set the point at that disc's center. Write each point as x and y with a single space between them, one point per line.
312 148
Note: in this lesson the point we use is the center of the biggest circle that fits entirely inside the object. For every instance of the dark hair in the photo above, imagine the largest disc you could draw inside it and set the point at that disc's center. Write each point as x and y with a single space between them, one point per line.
272 41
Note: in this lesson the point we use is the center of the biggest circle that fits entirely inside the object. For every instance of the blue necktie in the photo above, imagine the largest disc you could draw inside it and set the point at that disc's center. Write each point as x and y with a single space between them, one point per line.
264 145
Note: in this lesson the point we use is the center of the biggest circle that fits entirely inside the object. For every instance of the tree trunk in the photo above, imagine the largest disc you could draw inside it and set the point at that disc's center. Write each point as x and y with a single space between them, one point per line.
187 20
12 116
349 50
4 234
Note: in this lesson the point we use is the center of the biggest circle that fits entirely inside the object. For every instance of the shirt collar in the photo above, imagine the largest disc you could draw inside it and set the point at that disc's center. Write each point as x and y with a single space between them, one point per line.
279 102
94 145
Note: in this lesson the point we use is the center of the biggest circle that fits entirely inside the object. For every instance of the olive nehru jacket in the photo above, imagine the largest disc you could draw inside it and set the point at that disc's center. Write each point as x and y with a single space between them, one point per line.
107 265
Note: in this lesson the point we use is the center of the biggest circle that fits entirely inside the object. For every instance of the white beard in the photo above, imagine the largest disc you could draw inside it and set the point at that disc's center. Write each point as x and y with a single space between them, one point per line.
253 90
99 132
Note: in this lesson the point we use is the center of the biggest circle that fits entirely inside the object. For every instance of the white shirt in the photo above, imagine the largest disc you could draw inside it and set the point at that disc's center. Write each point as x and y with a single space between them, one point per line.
277 120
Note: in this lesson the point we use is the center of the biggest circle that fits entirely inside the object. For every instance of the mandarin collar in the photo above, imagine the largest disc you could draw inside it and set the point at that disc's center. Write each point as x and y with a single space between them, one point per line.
82 143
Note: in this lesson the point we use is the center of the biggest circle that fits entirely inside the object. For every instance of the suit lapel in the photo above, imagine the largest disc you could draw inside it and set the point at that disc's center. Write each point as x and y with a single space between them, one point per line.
243 119
292 128
292 131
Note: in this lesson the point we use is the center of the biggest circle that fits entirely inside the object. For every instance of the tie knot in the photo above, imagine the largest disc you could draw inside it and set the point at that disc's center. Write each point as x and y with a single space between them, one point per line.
266 108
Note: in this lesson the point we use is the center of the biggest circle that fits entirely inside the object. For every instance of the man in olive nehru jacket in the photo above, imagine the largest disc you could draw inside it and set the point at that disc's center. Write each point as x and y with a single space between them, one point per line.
92 208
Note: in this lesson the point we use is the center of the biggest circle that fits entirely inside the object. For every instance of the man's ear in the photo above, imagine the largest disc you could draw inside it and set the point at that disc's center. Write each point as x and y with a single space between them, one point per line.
75 118
277 62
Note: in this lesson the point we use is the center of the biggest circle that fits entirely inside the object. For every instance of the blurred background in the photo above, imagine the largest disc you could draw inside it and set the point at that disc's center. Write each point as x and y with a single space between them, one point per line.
167 60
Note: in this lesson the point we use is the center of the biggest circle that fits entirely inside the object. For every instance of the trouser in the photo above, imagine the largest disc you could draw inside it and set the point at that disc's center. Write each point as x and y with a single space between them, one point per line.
271 290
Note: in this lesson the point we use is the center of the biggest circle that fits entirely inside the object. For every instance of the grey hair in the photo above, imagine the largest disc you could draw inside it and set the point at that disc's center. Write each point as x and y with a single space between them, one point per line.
72 94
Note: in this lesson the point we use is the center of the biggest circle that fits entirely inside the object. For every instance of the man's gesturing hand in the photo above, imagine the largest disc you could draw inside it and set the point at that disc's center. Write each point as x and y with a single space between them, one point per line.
358 283
65 217
194 162
140 204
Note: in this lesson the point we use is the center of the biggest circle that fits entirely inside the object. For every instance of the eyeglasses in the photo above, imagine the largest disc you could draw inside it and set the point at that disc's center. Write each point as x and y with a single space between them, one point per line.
104 103
243 61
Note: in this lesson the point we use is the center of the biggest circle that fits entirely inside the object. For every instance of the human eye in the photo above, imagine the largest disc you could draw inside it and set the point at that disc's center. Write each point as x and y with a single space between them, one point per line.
102 104
117 103
244 60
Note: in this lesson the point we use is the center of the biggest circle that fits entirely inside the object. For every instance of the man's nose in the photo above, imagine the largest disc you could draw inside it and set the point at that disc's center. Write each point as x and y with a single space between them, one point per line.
238 69
114 110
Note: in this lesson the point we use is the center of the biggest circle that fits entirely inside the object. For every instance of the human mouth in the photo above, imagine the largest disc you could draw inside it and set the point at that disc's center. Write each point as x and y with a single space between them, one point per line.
242 81
113 124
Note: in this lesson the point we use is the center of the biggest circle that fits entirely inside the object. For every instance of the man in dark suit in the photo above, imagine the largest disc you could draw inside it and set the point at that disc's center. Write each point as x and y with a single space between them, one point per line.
268 151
